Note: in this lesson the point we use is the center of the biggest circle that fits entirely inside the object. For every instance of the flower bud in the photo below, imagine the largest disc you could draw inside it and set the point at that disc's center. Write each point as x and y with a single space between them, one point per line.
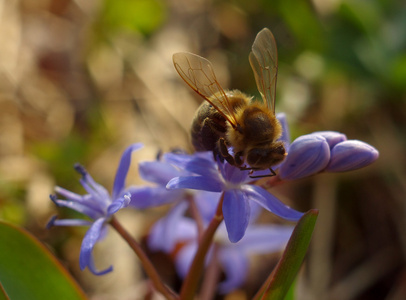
308 154
351 155
332 137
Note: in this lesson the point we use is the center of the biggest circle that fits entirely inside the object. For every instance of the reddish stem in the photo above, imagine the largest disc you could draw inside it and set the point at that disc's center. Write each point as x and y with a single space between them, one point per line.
146 263
192 279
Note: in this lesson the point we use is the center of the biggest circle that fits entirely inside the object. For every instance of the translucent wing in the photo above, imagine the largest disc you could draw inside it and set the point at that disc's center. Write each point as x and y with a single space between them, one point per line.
264 62
198 73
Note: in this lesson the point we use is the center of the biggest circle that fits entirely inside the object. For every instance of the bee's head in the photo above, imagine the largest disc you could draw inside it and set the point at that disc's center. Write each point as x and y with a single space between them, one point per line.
265 157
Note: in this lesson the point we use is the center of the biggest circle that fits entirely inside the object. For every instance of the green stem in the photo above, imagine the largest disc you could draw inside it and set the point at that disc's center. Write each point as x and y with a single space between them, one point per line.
192 279
146 263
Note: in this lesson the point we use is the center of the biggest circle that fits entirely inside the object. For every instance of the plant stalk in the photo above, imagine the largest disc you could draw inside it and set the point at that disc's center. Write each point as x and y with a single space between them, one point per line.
192 279
146 263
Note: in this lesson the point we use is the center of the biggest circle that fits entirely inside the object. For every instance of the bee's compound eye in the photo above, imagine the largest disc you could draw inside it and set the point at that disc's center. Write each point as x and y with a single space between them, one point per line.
256 156
264 158
280 150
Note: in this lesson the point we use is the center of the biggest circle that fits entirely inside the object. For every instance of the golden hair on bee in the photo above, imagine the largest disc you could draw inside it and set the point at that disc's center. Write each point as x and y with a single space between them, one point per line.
231 118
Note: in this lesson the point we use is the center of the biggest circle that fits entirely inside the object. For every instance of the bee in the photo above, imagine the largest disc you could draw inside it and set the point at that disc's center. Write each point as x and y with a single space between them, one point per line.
230 117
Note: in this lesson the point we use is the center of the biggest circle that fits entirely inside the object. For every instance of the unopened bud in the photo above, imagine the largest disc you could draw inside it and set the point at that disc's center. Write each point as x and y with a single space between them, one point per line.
351 155
308 155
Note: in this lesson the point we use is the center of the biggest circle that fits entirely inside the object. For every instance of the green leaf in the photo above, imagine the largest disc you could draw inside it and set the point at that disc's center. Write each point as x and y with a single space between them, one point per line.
292 258
290 295
28 270
3 295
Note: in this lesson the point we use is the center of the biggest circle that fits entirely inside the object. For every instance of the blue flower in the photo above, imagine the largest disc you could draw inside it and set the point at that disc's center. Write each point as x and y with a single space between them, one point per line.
98 205
179 235
239 195
159 173
325 151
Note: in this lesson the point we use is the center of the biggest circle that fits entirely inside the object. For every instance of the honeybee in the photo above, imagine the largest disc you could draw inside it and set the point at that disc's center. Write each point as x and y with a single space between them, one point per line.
231 118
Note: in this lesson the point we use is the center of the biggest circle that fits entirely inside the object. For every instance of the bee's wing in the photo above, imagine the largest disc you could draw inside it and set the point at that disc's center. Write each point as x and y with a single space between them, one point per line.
264 62
198 73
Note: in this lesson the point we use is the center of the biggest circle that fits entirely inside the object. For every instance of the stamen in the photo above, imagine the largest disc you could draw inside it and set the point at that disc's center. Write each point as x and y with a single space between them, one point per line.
80 169
51 221
53 199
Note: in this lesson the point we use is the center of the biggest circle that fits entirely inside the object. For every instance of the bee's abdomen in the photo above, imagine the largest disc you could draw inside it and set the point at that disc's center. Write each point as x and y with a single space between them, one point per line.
207 128
259 125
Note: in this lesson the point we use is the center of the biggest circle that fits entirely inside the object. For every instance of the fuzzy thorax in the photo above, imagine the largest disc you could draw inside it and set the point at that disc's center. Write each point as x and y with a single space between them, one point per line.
257 128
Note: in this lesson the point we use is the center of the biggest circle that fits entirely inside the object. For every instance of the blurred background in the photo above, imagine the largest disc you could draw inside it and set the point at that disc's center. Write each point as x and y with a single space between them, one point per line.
80 80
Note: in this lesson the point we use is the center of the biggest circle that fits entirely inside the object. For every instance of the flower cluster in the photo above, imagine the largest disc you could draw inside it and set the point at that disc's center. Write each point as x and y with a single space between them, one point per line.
322 151
325 151
197 183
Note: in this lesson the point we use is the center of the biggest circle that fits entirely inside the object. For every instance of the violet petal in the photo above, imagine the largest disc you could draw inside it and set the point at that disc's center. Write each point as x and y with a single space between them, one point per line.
123 168
86 256
236 211
271 203
235 265
196 183
308 155
351 155
157 171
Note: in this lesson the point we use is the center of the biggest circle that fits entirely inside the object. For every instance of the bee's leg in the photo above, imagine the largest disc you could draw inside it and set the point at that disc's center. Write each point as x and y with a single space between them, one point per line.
224 151
217 155
207 136
268 175
238 158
